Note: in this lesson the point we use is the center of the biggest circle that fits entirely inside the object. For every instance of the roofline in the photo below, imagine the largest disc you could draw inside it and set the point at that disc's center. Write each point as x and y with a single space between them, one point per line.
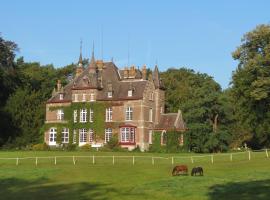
59 101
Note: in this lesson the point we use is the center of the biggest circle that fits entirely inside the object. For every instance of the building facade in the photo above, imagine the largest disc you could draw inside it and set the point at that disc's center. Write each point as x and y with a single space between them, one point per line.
102 102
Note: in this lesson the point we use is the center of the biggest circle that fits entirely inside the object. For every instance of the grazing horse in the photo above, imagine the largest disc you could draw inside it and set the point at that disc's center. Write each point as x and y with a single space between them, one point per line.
180 170
196 170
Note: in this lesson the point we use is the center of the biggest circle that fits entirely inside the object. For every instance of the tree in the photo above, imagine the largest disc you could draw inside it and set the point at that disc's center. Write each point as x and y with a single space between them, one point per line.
251 86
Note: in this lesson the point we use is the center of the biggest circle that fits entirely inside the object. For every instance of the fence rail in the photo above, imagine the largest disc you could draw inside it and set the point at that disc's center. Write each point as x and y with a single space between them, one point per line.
249 155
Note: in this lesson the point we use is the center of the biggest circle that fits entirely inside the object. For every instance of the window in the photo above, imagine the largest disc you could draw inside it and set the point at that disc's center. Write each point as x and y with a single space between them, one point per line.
108 134
65 132
91 115
52 136
61 96
74 137
76 97
150 140
150 115
60 114
75 116
163 138
161 110
82 135
108 114
84 97
129 114
130 93
127 135
92 97
91 135
110 94
83 115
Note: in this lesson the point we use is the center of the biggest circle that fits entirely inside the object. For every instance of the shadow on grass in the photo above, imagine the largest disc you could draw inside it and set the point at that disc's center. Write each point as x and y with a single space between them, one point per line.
251 190
12 188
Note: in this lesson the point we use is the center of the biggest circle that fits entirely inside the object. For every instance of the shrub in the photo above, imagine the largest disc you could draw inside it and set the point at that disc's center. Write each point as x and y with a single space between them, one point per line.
113 144
86 147
40 147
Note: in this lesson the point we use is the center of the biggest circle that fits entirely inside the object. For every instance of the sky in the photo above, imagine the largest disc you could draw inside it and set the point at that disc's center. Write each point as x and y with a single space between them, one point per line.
200 35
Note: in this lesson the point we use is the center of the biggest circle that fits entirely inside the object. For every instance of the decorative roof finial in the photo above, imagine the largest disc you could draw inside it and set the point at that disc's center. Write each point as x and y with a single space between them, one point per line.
80 59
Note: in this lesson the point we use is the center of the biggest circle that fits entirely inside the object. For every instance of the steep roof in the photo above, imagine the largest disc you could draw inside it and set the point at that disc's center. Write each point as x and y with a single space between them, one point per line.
171 121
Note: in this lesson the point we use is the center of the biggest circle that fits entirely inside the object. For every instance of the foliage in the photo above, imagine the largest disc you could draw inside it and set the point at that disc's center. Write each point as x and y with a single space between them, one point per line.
251 87
113 143
40 147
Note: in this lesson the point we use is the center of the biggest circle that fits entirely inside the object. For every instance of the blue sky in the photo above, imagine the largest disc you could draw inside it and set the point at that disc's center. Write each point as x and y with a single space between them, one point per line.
195 34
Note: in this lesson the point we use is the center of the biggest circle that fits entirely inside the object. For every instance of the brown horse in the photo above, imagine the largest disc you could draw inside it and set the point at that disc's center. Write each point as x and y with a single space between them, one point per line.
180 170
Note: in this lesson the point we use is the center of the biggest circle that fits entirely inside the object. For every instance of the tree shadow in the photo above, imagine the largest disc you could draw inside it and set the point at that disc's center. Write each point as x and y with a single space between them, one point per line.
251 190
13 188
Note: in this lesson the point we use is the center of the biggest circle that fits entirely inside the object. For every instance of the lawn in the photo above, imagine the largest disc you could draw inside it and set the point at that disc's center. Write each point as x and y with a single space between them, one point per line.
240 178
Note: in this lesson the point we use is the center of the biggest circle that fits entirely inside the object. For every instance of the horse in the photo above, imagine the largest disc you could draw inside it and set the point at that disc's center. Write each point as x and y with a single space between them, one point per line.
180 170
196 170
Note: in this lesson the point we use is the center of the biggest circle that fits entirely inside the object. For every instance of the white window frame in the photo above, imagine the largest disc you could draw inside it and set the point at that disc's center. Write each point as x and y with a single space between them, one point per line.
91 115
108 135
76 97
91 135
52 136
150 137
130 93
82 136
127 134
75 116
109 114
60 114
83 114
161 109
129 113
84 97
61 96
92 97
65 135
109 94
150 114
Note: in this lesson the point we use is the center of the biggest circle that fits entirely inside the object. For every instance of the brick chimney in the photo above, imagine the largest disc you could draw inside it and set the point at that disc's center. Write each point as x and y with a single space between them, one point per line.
144 72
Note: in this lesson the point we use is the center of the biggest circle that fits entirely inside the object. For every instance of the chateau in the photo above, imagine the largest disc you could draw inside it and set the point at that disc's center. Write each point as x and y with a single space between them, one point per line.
103 101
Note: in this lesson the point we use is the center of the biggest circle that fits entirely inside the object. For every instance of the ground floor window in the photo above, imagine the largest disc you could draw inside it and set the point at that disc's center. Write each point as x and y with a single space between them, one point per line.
91 135
74 137
108 134
65 133
82 135
52 136
127 134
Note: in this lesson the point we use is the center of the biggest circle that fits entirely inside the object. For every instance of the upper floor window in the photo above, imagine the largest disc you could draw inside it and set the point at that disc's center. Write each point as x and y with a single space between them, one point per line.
150 115
110 94
151 96
91 115
130 92
129 114
84 97
75 116
83 114
61 96
108 134
60 114
65 133
108 114
92 97
76 97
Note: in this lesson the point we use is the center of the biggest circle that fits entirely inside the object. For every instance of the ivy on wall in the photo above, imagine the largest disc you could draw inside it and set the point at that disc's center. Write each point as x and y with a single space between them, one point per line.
98 125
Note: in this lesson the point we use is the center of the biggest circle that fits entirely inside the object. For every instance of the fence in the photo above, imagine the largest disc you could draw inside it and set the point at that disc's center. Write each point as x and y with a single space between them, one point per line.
212 158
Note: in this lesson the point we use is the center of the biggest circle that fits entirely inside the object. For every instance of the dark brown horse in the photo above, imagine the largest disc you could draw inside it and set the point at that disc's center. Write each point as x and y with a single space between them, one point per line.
180 170
197 170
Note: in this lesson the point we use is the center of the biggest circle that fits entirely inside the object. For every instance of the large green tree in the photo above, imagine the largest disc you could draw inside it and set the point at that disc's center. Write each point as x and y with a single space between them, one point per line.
251 87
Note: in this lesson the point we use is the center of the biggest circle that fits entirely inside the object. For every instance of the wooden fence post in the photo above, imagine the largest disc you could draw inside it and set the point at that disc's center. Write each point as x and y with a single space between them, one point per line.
231 157
93 159
55 160
113 160
74 161
17 161
248 155
191 158
266 152
36 161
133 160
153 162
172 161
212 159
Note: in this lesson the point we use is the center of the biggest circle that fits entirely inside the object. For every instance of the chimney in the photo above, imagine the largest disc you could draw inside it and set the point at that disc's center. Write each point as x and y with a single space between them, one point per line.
126 72
144 72
132 71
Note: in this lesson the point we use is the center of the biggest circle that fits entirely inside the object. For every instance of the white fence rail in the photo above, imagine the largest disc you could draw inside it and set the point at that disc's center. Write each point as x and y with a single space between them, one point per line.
248 155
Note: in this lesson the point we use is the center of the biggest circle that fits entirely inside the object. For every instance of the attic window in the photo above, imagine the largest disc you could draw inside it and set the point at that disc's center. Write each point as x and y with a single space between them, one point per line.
61 96
110 94
84 97
130 92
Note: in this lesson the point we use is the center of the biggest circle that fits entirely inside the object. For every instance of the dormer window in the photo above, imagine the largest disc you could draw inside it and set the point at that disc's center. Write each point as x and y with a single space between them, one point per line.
92 97
61 96
110 94
130 93
76 97
84 97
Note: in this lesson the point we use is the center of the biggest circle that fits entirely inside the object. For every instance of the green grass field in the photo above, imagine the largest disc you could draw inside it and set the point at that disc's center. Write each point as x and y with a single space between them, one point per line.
240 179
